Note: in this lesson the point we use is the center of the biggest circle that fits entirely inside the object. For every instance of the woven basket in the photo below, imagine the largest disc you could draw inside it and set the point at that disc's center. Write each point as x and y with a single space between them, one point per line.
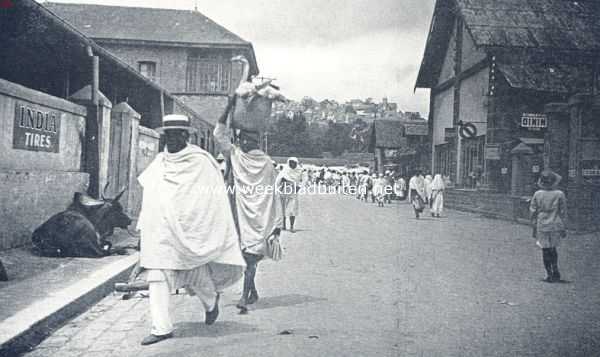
251 115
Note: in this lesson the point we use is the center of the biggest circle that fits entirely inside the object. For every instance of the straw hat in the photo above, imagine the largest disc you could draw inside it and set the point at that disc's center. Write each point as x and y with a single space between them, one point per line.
548 179
175 121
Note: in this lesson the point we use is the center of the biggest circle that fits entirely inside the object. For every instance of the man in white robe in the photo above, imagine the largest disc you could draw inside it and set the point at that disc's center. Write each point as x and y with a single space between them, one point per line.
289 181
255 199
188 236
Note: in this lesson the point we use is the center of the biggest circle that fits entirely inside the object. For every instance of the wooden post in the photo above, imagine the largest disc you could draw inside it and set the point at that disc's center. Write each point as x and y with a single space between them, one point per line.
3 275
162 105
95 79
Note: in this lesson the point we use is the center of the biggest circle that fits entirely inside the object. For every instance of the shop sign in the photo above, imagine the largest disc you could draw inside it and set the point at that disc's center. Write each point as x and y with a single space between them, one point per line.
534 121
591 172
390 153
36 128
492 152
449 133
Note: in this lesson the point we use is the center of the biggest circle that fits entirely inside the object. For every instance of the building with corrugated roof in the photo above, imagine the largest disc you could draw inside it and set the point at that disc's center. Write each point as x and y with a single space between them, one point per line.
495 66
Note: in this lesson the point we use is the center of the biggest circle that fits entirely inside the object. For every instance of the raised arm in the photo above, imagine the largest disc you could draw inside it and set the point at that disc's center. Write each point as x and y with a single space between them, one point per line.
222 133
230 103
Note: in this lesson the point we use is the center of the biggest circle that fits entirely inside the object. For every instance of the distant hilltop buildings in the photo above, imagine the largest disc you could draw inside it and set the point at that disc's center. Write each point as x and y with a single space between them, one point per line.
330 110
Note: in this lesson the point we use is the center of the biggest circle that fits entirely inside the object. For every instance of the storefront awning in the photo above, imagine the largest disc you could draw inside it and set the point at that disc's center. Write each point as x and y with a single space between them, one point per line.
522 149
532 141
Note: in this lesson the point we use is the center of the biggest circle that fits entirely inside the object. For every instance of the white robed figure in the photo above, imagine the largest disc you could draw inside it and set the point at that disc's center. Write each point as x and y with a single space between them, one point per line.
437 195
188 236
289 182
255 202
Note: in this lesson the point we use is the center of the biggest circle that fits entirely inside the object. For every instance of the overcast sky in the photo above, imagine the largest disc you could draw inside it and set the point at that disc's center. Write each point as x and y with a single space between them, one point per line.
340 49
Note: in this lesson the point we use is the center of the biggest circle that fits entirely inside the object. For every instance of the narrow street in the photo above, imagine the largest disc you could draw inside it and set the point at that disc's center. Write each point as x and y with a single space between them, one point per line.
358 280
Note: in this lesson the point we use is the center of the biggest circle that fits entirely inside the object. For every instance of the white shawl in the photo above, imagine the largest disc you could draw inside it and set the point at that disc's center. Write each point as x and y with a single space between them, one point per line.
255 198
289 174
186 219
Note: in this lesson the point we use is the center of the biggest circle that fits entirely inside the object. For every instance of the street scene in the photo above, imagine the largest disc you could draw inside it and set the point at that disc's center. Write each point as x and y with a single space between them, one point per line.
461 285
299 178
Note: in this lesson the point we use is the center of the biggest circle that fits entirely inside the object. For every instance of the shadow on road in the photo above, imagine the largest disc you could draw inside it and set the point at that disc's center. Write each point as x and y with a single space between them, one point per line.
270 302
219 329
298 230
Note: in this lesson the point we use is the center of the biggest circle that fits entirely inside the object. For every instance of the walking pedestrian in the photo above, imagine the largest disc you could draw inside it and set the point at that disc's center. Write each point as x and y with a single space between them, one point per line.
370 185
183 189
257 216
437 195
389 186
288 182
548 212
427 182
400 188
416 193
378 190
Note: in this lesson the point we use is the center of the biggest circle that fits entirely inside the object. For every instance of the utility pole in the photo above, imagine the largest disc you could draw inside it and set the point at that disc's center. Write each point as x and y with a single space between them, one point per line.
267 143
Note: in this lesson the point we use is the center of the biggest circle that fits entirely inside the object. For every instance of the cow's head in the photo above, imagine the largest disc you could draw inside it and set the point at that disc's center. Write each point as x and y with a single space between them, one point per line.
105 214
111 215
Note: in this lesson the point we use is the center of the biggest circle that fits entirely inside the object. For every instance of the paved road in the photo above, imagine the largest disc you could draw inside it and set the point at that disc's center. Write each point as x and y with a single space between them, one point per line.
358 280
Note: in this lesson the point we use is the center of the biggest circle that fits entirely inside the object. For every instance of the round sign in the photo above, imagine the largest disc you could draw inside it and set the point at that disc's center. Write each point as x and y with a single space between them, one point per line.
467 131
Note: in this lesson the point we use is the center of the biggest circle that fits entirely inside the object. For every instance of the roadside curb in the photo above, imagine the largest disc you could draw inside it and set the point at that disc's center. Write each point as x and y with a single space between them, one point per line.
28 327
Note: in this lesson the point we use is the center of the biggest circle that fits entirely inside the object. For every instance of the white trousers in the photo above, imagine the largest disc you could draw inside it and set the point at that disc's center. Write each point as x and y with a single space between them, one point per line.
161 282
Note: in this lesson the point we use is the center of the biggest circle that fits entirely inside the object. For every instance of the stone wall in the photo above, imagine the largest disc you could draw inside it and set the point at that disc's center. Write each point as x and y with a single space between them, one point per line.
488 204
29 198
37 184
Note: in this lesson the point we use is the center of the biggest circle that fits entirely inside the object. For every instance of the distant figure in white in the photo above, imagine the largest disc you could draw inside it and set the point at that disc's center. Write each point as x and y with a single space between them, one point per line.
437 196
288 183
416 193
378 190
400 188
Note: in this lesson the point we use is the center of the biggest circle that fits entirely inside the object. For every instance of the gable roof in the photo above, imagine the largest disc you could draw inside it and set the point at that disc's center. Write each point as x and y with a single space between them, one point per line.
557 24
537 25
144 24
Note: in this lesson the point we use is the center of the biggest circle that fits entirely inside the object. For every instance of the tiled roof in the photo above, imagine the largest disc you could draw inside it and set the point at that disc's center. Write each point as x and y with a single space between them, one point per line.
532 25
557 78
144 24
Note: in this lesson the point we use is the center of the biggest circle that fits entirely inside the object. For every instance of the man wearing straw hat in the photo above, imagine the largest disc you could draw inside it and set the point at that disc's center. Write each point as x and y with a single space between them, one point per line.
188 236
252 174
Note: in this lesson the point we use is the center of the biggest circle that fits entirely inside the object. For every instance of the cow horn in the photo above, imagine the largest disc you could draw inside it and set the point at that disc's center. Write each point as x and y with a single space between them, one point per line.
103 194
120 194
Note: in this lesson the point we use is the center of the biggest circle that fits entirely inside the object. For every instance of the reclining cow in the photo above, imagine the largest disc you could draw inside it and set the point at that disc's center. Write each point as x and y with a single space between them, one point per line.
82 229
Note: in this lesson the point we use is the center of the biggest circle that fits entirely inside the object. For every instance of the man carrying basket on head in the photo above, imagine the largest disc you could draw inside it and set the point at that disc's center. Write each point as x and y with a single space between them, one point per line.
254 200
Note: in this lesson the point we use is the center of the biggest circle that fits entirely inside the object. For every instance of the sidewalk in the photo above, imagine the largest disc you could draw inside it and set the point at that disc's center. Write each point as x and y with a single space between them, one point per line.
43 293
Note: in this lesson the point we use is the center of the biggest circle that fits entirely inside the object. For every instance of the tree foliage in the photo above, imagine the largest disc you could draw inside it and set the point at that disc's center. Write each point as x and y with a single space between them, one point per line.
295 137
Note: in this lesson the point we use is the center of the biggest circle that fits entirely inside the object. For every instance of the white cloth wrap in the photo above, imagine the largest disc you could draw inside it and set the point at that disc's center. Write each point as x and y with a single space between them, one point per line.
186 221
256 199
